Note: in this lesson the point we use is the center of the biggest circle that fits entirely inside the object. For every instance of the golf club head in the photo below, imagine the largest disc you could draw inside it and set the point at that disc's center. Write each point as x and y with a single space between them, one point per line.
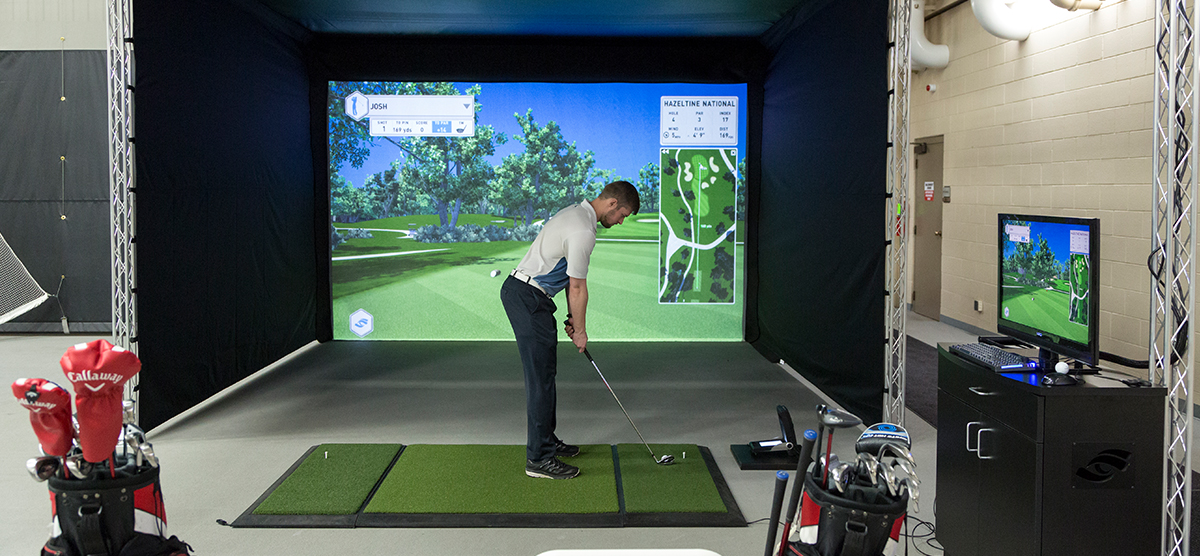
907 468
840 475
665 460
835 418
914 493
127 413
146 450
79 467
889 478
42 468
864 467
898 452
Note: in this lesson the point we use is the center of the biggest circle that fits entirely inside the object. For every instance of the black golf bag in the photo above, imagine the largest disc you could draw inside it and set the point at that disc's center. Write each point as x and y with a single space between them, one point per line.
857 522
105 516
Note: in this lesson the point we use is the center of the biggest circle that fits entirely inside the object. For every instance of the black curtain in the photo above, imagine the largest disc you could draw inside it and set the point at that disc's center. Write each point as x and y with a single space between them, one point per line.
483 59
54 184
226 278
815 295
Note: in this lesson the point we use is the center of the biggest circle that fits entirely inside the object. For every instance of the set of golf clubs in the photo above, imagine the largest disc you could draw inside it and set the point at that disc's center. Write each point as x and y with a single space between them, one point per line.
131 455
879 451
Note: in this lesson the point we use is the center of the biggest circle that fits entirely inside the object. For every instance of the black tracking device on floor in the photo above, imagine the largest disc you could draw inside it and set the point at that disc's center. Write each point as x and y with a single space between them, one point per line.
787 440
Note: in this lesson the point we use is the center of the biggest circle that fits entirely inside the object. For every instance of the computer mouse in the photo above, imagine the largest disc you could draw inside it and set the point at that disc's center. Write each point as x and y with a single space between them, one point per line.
1059 379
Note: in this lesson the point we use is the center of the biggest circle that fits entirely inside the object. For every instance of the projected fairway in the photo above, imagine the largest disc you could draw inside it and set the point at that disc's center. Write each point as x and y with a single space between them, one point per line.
1045 308
697 227
436 291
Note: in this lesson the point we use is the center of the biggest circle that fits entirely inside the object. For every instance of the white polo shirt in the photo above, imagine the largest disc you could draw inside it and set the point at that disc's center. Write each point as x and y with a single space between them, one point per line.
562 249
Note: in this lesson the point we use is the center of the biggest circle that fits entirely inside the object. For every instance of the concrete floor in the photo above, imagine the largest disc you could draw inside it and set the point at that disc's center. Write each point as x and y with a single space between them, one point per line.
220 456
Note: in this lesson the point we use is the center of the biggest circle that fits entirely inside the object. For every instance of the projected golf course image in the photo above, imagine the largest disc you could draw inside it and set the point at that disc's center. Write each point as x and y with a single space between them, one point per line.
447 291
1045 285
438 189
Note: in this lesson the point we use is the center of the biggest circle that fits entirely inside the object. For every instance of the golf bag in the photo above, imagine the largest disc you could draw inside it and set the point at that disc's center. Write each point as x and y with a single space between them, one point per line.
862 521
110 517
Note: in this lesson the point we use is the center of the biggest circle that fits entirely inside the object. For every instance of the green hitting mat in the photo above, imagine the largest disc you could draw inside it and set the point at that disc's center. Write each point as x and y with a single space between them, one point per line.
392 485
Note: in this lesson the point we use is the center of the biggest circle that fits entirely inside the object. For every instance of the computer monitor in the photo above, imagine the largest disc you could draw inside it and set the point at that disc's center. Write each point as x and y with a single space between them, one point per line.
1048 286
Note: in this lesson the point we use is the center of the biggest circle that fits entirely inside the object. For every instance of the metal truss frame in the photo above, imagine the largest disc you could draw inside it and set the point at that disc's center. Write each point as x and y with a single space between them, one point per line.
896 210
1173 242
121 182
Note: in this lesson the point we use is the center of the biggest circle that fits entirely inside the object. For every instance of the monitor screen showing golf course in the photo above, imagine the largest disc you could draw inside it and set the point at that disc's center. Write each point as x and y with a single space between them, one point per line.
437 190
1049 282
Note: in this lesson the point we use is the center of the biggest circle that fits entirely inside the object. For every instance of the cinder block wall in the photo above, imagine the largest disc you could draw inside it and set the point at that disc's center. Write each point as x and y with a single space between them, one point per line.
1060 124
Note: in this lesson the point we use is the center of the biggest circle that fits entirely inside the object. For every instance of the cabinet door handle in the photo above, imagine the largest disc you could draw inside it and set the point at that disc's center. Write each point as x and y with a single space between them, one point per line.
976 435
981 392
979 443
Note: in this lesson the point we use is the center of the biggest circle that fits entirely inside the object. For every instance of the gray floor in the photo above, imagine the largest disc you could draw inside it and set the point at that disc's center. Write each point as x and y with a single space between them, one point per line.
219 457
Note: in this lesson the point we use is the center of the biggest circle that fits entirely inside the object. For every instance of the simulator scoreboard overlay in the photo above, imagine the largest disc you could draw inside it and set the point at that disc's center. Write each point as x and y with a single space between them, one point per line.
708 121
697 225
1046 278
414 115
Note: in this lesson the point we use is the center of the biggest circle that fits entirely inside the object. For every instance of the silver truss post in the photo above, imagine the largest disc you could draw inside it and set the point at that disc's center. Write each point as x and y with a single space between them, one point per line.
896 211
1173 242
122 210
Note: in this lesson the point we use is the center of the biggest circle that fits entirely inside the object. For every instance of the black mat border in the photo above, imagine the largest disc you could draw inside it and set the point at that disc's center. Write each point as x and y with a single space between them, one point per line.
731 518
249 519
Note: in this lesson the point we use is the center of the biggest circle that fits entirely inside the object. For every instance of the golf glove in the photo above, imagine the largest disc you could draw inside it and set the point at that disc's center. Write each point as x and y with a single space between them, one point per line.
98 370
49 412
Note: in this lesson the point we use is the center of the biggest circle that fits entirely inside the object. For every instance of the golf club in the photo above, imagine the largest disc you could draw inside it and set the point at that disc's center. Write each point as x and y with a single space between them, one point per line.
836 419
42 468
665 459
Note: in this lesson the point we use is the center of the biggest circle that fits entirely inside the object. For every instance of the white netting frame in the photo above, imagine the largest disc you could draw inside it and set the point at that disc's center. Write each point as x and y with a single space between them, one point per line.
19 292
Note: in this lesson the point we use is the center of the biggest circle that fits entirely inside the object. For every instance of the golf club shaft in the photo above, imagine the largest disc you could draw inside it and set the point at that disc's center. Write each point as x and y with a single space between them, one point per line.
614 395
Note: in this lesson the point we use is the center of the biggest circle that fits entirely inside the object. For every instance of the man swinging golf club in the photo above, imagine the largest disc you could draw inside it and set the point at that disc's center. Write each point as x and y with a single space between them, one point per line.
557 260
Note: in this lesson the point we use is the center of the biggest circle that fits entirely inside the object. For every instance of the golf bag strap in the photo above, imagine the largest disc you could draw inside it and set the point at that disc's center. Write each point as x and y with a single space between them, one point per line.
855 543
89 534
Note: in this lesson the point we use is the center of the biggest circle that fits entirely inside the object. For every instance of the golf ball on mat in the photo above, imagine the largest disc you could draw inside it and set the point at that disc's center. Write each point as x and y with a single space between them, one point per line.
495 273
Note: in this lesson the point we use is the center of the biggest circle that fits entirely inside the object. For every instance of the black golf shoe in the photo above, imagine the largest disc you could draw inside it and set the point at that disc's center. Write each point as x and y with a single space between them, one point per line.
564 450
550 469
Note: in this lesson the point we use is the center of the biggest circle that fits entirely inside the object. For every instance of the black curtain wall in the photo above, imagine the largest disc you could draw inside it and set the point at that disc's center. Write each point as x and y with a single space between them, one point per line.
226 273
815 293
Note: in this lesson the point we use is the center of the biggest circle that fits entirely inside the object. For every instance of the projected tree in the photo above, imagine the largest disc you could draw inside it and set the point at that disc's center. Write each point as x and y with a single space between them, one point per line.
349 203
1034 268
448 171
647 186
549 174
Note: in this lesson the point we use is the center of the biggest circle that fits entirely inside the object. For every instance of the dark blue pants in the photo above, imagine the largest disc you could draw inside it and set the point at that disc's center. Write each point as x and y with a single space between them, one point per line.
531 314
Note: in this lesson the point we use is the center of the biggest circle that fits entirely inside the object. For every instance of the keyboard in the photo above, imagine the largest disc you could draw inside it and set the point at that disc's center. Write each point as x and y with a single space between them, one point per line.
994 358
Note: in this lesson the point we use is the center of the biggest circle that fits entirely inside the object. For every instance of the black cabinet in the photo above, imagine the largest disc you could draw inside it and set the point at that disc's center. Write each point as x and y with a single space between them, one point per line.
1025 469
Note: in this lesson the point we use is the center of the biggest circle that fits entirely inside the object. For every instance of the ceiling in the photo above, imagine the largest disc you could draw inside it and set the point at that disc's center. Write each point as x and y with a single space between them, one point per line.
616 18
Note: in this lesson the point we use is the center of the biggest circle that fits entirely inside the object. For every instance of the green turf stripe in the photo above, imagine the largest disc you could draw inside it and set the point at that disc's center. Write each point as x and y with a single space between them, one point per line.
684 486
462 479
333 484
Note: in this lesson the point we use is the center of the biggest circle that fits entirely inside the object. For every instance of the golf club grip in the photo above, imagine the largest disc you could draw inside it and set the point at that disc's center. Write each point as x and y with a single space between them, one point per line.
781 480
806 448
589 356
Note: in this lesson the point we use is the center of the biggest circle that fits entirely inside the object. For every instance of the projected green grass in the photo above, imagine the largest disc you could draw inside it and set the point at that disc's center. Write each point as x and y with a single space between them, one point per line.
1046 308
437 291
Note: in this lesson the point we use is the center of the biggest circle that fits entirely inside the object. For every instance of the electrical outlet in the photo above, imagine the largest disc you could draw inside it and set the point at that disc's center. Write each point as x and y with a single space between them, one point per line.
979 305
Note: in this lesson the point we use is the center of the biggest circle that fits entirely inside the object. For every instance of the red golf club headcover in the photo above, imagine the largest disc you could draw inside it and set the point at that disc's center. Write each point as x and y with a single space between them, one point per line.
98 370
49 412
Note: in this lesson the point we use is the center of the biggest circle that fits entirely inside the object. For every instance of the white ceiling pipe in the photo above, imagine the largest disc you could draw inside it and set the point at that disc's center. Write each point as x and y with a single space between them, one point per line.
1072 5
924 53
999 20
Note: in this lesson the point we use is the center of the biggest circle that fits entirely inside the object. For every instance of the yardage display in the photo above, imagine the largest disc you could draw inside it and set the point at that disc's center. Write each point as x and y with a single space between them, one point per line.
414 115
697 225
698 121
